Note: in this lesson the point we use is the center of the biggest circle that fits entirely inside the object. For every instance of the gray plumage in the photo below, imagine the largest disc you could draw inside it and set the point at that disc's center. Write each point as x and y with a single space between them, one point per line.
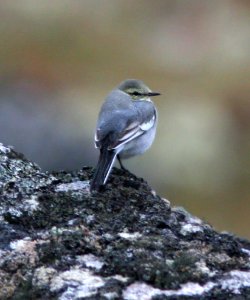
126 127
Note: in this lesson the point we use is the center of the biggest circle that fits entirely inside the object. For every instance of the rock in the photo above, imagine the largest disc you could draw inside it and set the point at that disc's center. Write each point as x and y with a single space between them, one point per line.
58 241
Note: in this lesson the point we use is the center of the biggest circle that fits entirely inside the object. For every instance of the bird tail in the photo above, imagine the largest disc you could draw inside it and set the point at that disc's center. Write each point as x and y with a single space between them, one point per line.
103 168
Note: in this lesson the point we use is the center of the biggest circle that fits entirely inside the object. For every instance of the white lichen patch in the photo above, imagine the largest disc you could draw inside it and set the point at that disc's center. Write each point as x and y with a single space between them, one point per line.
111 295
190 228
153 192
27 247
4 149
14 212
220 258
189 218
120 278
203 268
169 262
72 222
191 289
55 231
90 219
233 281
78 282
69 294
142 217
72 186
140 291
166 201
108 236
22 245
144 291
42 276
194 220
90 261
246 251
31 204
130 236
236 280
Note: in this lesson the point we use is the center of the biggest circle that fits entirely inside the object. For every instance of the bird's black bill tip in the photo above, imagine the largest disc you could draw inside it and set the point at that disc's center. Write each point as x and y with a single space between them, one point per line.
152 94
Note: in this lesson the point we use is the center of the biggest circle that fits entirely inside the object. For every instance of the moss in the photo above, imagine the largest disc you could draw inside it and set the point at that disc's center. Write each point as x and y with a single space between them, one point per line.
66 224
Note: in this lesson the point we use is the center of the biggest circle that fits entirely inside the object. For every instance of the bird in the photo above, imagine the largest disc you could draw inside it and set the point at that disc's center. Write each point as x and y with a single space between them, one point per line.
126 127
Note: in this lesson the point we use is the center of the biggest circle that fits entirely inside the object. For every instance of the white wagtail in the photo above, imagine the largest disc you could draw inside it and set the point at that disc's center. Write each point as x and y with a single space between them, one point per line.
126 127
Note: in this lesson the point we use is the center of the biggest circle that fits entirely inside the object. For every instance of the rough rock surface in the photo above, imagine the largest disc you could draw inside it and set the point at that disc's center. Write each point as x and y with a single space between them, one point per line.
57 241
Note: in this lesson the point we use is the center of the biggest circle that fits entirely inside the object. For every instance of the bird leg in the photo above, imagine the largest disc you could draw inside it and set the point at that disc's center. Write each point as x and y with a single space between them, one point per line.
121 164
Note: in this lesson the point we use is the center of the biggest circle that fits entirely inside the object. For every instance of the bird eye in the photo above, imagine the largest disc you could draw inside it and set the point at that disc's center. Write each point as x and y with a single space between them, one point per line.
135 93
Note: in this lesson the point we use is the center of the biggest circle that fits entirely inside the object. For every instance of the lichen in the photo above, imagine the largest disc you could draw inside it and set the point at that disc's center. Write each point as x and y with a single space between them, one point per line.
58 241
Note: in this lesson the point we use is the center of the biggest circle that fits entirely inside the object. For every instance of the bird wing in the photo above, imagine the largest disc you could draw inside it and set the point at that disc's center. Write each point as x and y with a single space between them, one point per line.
128 134
122 121
145 126
134 130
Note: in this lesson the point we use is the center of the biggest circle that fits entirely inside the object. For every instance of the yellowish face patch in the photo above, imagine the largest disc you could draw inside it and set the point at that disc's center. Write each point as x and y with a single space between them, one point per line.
138 94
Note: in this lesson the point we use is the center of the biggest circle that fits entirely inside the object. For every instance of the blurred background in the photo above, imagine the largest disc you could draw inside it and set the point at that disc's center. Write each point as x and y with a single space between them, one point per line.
59 59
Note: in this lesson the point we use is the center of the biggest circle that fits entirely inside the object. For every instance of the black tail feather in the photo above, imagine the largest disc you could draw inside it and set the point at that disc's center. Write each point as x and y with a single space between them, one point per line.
104 165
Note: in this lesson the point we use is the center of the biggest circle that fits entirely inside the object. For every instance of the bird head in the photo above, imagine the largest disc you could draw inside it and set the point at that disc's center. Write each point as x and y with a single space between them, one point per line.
137 89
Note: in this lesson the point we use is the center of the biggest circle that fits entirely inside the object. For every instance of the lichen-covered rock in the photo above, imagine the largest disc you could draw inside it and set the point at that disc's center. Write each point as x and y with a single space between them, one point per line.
57 241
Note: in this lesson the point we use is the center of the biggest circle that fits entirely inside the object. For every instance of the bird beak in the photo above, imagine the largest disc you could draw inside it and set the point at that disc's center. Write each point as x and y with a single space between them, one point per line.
152 94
